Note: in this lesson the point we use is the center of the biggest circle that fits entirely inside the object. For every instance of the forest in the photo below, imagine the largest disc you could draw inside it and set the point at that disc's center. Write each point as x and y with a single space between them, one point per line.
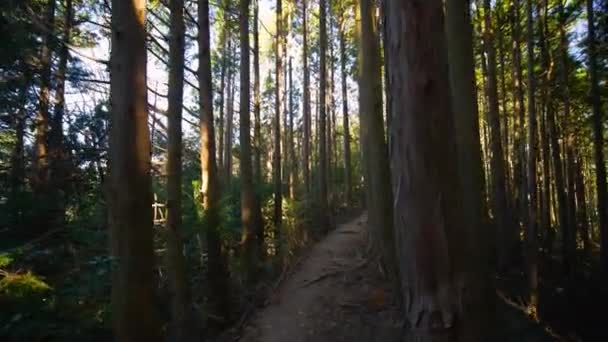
303 170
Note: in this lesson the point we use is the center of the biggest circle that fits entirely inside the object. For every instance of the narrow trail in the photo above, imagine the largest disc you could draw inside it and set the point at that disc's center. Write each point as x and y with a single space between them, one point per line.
334 295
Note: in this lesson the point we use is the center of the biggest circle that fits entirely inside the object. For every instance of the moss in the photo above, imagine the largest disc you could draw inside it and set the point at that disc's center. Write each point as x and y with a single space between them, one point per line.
18 287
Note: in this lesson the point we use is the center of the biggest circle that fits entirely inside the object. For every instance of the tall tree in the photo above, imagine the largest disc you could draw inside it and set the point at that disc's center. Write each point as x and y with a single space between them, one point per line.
499 198
466 128
176 264
210 186
531 243
306 99
249 210
133 310
375 152
598 141
41 161
432 237
346 122
276 155
323 109
290 139
257 127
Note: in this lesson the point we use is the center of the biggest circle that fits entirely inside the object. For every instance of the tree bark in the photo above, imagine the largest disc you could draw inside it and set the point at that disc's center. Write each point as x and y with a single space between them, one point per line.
276 156
293 181
531 230
176 263
375 152
345 118
323 109
598 140
432 236
210 187
228 129
466 128
257 128
133 310
306 100
505 239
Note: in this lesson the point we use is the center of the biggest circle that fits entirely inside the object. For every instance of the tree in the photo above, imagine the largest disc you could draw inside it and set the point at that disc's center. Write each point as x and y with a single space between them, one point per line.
323 109
306 100
210 187
276 155
249 209
176 265
499 197
133 285
466 128
347 160
432 238
375 153
598 139
531 231
257 129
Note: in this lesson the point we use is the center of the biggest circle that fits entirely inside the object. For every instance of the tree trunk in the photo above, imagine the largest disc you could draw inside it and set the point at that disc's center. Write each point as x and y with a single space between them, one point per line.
598 140
375 152
222 91
466 128
228 129
323 155
345 118
530 233
505 239
210 188
17 170
257 128
133 285
249 210
57 154
290 141
433 238
276 156
41 161
306 104
581 201
176 263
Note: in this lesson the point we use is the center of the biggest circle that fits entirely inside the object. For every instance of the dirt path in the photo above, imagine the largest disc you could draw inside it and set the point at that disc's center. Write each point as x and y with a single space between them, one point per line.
336 294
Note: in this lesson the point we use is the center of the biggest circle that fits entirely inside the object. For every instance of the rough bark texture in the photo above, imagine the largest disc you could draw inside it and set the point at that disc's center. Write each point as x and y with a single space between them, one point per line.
530 233
176 264
375 153
306 98
432 236
210 190
466 130
133 310
504 243
600 165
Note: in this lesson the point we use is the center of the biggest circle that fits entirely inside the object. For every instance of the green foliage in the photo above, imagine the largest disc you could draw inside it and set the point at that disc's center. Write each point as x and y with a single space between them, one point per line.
22 287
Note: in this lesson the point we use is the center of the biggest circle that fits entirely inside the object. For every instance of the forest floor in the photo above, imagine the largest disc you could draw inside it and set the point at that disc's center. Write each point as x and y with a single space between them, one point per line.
337 294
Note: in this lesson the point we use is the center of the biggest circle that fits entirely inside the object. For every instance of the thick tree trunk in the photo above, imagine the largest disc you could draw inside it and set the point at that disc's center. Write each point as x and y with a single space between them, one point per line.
133 310
228 128
531 229
293 171
505 236
222 91
466 128
306 105
210 188
176 264
581 202
432 236
375 153
598 140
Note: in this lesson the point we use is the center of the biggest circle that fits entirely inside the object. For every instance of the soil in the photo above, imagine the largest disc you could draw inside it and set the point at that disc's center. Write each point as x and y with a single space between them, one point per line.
337 294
